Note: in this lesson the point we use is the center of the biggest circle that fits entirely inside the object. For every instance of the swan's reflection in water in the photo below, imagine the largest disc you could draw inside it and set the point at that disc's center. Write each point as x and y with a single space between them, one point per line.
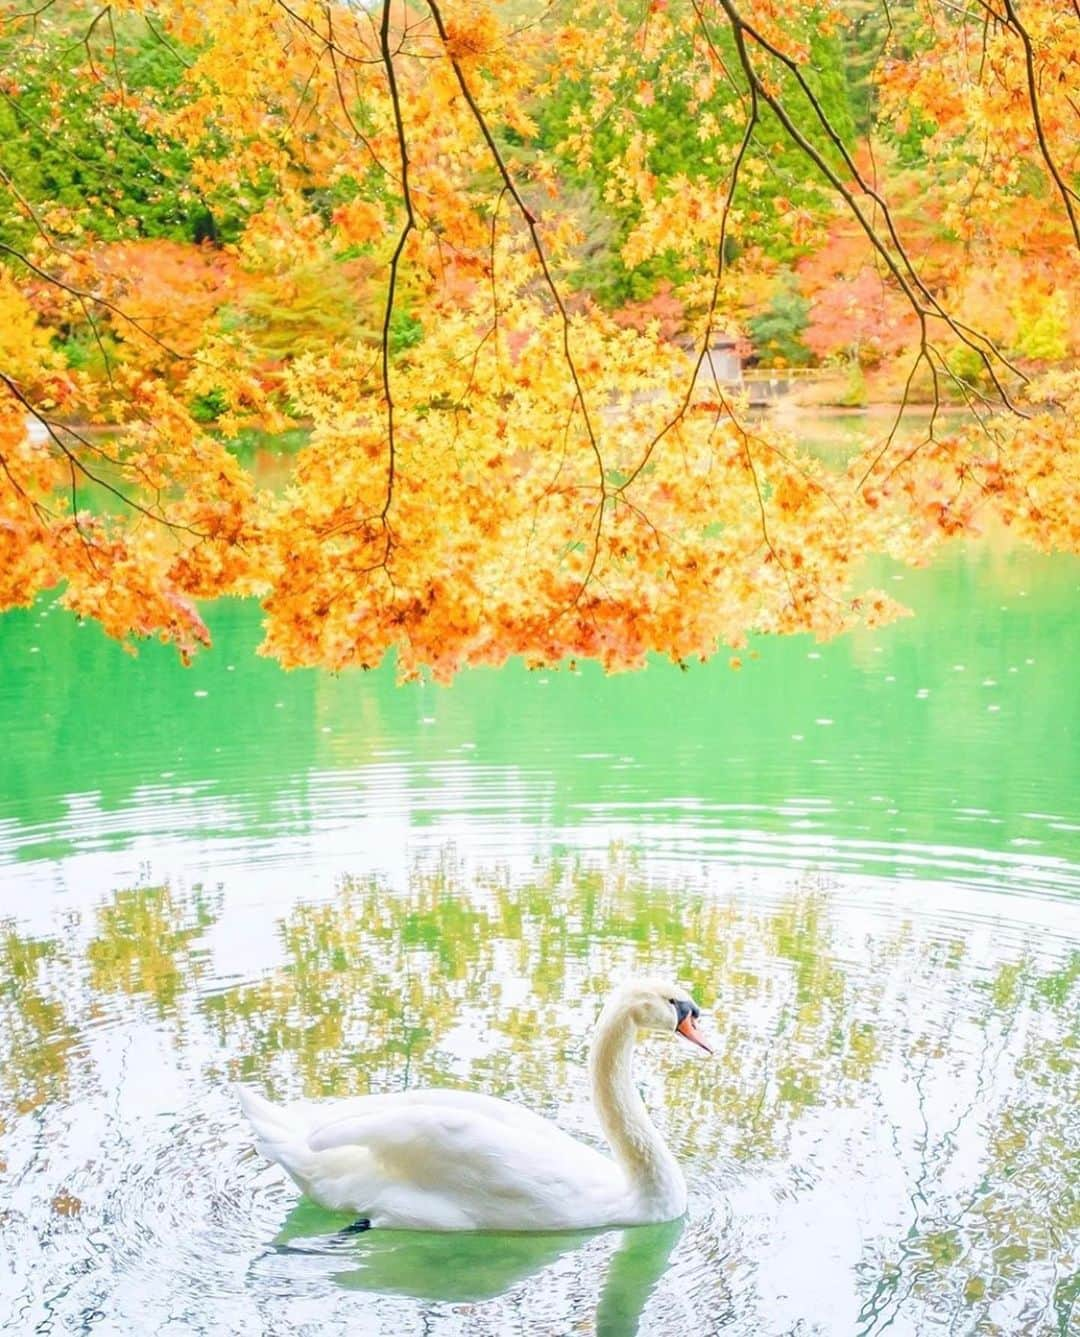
466 1268
637 1265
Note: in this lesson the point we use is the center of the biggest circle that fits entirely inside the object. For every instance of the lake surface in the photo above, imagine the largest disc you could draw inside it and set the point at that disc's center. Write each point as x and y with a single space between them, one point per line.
863 857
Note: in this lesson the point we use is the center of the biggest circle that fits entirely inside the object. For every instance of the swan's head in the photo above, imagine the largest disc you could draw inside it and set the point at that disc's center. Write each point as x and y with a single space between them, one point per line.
661 1005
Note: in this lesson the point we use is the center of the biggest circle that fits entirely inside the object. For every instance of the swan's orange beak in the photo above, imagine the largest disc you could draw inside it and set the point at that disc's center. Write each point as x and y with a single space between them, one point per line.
688 1028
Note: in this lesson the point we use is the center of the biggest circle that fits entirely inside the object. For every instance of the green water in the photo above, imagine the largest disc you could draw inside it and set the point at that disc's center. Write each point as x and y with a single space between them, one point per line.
863 857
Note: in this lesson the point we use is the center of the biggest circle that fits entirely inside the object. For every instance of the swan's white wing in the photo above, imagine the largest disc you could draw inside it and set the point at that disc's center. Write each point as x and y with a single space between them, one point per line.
454 1166
317 1113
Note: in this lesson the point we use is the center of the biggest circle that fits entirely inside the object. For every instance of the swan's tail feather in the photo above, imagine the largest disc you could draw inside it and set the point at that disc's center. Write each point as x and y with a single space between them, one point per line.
272 1123
337 1180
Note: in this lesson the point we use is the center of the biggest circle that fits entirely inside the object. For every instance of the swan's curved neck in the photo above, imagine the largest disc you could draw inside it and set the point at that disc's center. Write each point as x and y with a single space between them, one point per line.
639 1149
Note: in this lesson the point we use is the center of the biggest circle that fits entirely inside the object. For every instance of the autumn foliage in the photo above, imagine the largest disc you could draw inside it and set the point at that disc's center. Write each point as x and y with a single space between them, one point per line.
390 244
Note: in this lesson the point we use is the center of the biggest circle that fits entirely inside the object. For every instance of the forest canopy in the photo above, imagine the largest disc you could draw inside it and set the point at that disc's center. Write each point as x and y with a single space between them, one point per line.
458 268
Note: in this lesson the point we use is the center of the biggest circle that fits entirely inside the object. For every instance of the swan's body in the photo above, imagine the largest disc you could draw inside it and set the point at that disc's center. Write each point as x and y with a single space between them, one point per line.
459 1160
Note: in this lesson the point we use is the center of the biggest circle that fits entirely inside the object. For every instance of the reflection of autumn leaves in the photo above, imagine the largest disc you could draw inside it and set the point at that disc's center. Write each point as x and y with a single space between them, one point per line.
1016 1209
36 1036
146 948
377 980
495 985
145 945
372 982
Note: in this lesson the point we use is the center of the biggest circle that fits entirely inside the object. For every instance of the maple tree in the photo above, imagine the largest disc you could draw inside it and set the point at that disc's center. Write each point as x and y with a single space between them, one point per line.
394 242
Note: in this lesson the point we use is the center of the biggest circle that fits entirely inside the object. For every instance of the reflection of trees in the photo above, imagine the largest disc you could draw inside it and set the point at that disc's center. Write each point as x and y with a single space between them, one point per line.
975 1240
36 1036
146 944
373 983
486 986
146 947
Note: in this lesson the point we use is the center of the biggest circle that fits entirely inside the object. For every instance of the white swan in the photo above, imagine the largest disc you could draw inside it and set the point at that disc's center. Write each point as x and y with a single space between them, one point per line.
458 1160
